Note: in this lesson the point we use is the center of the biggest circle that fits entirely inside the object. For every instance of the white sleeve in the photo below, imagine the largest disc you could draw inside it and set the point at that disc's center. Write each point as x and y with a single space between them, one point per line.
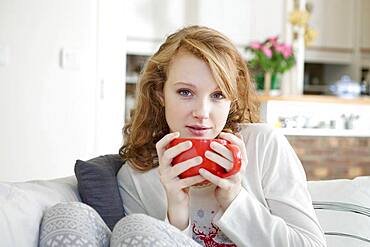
289 219
130 197
187 231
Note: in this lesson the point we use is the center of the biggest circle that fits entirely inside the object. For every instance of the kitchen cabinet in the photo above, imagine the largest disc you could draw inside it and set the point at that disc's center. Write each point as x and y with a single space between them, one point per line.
365 35
150 21
334 21
223 16
242 21
365 25
249 21
343 41
267 18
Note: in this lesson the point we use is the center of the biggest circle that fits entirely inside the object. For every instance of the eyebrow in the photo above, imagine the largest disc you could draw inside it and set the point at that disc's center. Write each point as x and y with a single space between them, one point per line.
184 83
192 85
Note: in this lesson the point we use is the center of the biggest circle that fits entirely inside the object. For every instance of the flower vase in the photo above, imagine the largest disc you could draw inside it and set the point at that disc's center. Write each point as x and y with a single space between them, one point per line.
267 83
274 81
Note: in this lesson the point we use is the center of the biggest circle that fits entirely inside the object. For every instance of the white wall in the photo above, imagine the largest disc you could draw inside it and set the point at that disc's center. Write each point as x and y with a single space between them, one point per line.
51 116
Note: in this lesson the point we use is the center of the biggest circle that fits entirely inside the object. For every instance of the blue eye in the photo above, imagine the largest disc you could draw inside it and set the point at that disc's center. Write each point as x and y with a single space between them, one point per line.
218 95
185 92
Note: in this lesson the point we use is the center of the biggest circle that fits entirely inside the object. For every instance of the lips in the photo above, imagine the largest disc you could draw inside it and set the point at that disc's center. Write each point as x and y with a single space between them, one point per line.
198 130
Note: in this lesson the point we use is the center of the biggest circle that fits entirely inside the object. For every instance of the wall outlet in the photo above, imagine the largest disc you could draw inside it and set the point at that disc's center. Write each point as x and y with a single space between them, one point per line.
70 59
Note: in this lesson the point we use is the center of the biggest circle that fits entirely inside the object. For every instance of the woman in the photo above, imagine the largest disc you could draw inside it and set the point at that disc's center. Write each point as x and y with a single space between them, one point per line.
197 85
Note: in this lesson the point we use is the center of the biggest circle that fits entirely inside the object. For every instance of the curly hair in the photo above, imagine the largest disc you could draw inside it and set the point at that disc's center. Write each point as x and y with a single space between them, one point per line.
148 122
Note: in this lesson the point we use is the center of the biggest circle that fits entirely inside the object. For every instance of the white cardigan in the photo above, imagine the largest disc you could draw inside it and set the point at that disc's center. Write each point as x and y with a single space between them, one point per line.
274 207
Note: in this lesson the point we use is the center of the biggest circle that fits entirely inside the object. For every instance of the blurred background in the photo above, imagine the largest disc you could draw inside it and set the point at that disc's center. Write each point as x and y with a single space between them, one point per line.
68 74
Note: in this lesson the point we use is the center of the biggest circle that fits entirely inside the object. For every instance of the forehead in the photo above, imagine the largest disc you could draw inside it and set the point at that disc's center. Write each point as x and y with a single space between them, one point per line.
186 67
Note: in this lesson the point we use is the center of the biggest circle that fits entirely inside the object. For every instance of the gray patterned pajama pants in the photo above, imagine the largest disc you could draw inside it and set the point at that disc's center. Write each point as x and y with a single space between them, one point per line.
77 224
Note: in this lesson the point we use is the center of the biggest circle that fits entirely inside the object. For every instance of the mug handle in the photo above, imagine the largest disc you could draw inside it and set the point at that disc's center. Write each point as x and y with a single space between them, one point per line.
236 158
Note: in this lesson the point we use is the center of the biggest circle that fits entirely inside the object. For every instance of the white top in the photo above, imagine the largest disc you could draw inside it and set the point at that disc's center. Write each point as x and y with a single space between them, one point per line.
274 207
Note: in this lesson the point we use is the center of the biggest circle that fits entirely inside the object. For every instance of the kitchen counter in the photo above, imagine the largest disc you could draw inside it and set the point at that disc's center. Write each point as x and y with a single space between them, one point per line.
318 98
317 115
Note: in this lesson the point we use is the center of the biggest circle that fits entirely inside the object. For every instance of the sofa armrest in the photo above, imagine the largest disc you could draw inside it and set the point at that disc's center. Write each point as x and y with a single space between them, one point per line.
343 209
22 206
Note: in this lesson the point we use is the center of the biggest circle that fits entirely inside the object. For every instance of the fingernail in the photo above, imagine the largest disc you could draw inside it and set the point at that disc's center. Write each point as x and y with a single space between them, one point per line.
213 144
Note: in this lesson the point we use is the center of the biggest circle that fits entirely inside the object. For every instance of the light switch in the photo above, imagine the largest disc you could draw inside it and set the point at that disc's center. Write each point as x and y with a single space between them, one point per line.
70 59
4 55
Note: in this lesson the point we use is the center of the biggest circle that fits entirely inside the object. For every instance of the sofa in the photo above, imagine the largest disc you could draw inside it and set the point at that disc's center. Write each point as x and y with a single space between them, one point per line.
342 206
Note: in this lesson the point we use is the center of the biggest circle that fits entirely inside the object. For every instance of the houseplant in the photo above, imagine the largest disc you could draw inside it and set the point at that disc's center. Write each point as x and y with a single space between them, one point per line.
270 59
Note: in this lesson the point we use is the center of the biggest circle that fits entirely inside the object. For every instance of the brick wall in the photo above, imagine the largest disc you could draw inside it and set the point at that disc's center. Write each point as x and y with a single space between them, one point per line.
332 157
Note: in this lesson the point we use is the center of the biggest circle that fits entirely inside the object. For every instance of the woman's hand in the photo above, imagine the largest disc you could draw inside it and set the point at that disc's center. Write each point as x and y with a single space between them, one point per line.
176 188
227 188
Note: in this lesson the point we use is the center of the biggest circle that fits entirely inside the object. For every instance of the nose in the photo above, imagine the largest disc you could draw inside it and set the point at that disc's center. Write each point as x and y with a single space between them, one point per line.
201 109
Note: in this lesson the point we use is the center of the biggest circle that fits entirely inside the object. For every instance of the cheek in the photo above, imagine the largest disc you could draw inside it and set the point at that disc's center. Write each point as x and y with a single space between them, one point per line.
220 116
175 112
223 112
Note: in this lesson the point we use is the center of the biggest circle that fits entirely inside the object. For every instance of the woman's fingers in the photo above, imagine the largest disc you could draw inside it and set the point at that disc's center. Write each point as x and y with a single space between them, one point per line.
239 141
172 152
162 143
161 147
220 182
183 166
232 138
190 181
221 149
218 159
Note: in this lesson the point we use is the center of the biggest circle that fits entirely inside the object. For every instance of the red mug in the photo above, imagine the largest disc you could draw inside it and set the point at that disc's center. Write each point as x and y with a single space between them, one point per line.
199 147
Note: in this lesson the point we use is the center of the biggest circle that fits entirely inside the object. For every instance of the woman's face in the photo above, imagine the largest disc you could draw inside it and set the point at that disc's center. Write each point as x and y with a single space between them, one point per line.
194 104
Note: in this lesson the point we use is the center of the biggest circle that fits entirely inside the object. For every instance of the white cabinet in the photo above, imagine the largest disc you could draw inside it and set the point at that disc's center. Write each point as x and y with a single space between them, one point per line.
365 24
267 18
334 21
148 22
230 18
149 19
242 21
364 37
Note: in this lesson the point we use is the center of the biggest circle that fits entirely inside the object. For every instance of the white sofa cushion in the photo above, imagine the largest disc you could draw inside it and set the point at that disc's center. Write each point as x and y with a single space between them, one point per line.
23 205
343 209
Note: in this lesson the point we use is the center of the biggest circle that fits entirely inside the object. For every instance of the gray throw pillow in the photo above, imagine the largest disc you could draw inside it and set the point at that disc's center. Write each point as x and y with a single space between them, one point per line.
98 187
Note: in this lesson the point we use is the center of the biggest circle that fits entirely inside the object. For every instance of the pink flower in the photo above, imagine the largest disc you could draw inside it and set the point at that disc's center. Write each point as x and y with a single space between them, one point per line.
255 45
280 48
288 51
273 40
284 49
267 51
271 55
